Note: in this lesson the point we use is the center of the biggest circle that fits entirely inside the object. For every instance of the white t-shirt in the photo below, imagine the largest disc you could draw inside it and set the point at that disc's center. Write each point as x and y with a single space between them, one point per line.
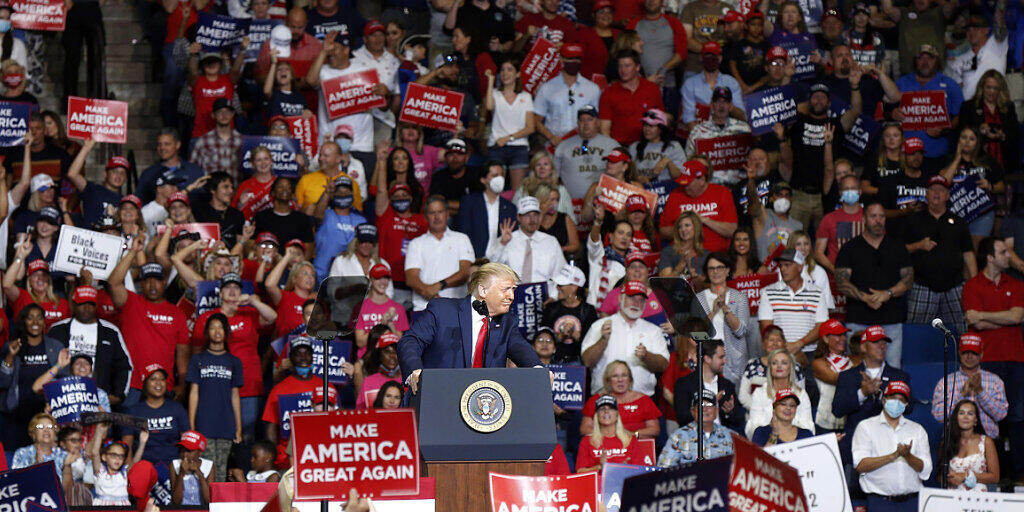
153 215
361 123
510 118
436 260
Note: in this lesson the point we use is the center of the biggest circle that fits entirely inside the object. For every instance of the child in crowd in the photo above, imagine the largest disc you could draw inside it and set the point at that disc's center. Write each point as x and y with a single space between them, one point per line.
110 468
190 473
262 462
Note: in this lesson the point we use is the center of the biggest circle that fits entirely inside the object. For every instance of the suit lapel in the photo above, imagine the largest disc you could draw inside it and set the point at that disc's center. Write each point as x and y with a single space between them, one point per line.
466 324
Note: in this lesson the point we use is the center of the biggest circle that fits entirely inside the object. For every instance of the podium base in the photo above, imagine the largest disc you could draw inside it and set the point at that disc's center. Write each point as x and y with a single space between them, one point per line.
464 486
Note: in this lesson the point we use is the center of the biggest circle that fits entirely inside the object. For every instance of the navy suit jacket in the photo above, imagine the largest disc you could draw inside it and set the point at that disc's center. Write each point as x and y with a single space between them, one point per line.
472 219
845 402
442 337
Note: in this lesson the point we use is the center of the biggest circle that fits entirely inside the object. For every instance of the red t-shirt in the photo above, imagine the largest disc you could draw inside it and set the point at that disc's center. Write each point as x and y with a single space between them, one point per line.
839 227
55 311
260 199
105 309
204 93
624 108
557 30
715 204
152 332
245 337
981 294
627 9
174 20
289 386
634 414
588 456
595 53
289 312
394 234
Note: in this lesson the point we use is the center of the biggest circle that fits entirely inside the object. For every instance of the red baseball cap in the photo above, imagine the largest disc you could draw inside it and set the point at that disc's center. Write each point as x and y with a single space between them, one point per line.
636 256
692 169
373 26
970 342
938 180
731 16
37 265
636 203
297 243
711 47
776 53
152 368
875 333
832 326
634 288
754 15
379 270
785 393
117 161
192 440
178 196
617 156
318 395
913 145
897 387
601 4
399 186
267 236
387 339
572 51
84 294
276 118
133 199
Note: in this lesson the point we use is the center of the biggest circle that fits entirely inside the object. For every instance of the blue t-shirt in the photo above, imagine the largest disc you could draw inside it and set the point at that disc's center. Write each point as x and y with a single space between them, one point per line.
333 237
763 433
283 103
95 199
348 21
934 146
215 375
166 423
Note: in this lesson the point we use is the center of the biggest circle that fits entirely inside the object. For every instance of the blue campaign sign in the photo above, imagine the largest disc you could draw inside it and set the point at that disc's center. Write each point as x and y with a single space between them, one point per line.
861 135
567 391
812 11
341 352
612 476
770 106
282 152
663 189
968 200
68 398
13 122
216 32
208 295
287 404
528 305
700 486
800 55
38 483
259 33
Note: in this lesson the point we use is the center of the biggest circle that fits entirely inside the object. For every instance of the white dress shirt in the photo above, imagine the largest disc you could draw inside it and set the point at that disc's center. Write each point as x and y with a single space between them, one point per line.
387 72
547 257
622 343
762 409
349 266
967 68
436 259
493 214
478 323
874 438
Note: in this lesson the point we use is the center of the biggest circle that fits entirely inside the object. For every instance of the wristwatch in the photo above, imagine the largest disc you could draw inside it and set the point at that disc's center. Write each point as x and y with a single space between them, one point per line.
444 284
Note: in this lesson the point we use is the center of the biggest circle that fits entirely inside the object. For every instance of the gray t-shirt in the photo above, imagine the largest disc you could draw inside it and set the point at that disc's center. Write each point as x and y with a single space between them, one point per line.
659 46
776 232
581 165
653 153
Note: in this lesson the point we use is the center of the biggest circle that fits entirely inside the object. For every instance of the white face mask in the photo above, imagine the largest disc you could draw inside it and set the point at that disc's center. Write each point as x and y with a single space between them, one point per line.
497 184
781 205
409 54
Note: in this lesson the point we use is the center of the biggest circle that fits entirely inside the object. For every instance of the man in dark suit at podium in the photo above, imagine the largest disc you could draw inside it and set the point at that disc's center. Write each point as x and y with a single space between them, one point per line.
469 332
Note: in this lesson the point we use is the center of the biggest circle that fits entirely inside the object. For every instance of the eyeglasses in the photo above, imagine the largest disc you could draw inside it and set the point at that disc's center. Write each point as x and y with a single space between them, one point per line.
716 268
41 426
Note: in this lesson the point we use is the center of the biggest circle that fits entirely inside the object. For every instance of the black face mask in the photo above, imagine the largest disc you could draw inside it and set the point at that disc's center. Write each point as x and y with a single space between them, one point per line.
709 63
571 68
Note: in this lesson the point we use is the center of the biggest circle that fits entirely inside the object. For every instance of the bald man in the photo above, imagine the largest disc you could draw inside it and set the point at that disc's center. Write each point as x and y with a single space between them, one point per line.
304 47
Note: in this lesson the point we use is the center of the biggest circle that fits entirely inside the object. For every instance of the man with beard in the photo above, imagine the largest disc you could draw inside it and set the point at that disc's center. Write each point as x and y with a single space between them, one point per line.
902 194
698 89
625 336
455 179
927 77
831 33
664 44
168 147
872 90
559 100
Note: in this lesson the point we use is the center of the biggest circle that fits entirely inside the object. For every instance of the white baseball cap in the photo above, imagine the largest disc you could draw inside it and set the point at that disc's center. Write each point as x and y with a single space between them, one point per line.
570 274
44 181
281 40
528 204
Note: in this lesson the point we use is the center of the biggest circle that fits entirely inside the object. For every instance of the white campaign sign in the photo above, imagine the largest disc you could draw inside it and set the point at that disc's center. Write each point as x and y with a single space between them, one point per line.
77 248
821 471
943 500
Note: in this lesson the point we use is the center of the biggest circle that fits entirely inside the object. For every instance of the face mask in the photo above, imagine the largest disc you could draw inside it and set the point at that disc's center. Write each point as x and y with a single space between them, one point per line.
342 202
497 184
345 144
13 80
850 196
409 54
303 371
971 481
571 68
401 205
894 408
709 63
781 205
5 26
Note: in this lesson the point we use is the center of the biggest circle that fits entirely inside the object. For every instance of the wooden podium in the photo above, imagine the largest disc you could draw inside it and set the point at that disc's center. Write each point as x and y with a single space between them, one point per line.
460 457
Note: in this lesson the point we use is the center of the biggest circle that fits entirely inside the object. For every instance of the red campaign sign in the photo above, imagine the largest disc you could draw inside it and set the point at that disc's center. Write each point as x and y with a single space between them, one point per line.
752 285
576 493
48 15
728 152
304 130
615 192
923 110
352 93
647 451
540 65
838 312
759 481
703 112
373 450
431 107
100 120
206 230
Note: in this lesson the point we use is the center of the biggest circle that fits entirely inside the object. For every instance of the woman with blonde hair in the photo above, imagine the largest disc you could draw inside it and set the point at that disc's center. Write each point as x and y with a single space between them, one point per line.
543 171
42 428
685 257
15 83
800 241
362 254
781 375
609 442
253 194
300 287
39 288
889 159
638 415
991 110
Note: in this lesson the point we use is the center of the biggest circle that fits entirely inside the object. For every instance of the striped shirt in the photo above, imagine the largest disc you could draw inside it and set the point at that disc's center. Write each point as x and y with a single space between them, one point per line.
991 401
795 312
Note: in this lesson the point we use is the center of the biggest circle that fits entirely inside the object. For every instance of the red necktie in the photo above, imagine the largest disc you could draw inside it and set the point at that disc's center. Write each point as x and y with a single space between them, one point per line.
478 353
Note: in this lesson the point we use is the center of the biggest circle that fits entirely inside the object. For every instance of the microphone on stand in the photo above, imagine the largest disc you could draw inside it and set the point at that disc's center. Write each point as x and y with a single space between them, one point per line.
937 324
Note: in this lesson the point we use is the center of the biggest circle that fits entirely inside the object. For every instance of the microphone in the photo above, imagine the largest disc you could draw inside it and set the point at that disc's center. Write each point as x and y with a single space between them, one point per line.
937 324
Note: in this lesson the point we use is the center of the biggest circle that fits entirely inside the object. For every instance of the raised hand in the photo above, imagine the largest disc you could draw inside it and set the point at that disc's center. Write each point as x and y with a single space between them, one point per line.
63 358
506 231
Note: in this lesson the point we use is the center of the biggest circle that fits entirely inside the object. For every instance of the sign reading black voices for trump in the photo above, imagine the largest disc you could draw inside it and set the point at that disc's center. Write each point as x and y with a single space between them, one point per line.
770 106
37 483
68 398
13 122
528 305
697 487
282 153
77 248
215 32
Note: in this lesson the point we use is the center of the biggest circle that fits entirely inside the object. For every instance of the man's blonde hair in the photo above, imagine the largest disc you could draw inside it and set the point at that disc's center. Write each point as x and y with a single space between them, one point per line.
486 273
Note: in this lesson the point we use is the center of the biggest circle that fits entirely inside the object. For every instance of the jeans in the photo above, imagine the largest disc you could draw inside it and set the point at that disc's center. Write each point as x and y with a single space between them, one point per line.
877 503
1012 426
894 356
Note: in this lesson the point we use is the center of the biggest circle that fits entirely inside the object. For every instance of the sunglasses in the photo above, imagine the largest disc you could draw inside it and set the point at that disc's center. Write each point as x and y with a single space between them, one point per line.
572 99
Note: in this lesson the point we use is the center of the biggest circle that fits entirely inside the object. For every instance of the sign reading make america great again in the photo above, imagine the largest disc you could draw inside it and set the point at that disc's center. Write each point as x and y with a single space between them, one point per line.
100 120
431 107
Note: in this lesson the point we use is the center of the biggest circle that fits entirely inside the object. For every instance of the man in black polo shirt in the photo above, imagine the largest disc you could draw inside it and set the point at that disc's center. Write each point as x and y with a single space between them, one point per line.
874 271
455 179
943 256
903 193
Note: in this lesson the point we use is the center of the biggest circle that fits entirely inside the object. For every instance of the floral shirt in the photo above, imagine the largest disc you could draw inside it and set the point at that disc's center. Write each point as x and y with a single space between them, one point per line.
682 445
26 456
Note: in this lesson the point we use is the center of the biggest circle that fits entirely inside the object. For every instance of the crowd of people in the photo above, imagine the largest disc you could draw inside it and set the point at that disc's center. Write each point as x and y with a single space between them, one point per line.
808 255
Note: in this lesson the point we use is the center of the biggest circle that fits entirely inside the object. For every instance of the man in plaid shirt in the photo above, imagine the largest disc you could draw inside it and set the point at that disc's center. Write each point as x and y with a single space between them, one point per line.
220 148
972 383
